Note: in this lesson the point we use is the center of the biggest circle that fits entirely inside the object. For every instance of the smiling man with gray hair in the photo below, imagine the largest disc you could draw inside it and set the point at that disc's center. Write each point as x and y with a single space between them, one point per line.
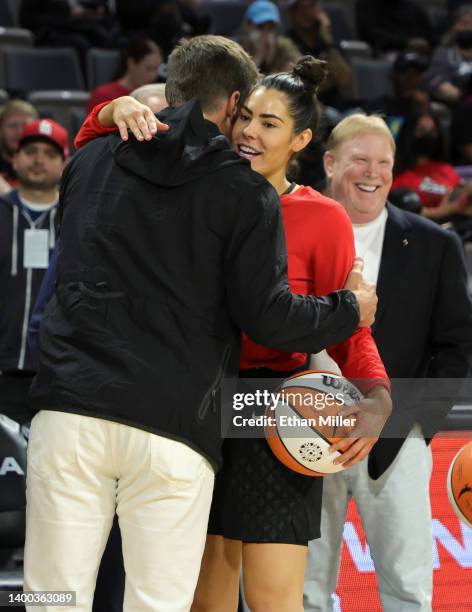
423 329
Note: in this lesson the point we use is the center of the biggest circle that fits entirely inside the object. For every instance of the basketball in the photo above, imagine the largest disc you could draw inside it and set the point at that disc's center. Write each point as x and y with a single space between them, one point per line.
304 422
459 484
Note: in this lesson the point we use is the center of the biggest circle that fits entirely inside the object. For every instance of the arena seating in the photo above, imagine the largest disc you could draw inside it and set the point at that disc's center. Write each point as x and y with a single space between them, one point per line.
25 69
16 36
372 78
102 65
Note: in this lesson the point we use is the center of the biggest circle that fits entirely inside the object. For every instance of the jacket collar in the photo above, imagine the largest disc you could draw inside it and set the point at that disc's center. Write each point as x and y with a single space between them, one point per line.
394 260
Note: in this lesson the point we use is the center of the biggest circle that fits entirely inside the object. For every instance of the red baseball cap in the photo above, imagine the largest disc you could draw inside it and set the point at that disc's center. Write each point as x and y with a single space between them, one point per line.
46 129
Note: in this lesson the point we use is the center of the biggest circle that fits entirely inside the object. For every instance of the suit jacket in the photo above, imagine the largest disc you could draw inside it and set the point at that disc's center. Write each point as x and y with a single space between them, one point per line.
423 326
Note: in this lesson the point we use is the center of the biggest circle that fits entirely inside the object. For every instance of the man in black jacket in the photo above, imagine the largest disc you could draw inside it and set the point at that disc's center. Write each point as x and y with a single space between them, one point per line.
168 249
423 330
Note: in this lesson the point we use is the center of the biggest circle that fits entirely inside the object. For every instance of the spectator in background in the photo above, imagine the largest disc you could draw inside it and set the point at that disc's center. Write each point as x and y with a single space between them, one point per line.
80 24
311 32
259 37
421 166
27 234
167 26
394 25
409 91
450 73
165 21
194 17
13 118
139 65
153 95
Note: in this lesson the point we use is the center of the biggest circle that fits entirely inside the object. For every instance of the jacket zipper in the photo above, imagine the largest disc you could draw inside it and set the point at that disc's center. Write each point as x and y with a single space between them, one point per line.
210 396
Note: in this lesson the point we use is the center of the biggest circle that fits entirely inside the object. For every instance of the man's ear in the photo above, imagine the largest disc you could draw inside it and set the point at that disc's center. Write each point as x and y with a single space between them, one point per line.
328 162
232 104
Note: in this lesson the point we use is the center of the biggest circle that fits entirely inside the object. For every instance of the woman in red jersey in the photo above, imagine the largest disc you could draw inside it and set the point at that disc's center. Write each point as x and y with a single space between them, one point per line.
263 514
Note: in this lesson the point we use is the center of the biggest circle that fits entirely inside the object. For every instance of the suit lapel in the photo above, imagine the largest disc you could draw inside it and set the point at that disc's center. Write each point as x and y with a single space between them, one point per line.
395 254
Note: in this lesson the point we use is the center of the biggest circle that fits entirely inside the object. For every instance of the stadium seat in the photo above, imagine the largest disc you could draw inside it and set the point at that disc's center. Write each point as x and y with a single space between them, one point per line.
77 117
24 69
16 36
226 15
356 48
372 78
102 65
61 106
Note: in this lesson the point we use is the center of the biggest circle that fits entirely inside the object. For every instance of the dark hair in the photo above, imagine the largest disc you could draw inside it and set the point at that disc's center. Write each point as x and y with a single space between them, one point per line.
300 85
405 157
209 68
137 49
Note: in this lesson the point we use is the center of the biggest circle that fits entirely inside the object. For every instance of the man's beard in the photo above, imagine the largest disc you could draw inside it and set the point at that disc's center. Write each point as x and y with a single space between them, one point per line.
39 184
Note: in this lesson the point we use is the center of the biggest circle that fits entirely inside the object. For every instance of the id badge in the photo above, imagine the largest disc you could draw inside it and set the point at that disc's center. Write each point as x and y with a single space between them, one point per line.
36 248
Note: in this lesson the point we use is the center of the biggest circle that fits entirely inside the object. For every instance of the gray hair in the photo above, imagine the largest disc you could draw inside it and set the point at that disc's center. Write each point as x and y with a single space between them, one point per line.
153 95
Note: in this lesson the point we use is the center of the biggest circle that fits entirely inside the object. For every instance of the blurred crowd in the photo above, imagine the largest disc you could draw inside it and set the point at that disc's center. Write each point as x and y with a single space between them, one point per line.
396 58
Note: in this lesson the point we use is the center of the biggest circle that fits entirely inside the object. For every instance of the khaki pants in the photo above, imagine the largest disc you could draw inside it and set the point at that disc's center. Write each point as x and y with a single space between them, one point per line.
79 470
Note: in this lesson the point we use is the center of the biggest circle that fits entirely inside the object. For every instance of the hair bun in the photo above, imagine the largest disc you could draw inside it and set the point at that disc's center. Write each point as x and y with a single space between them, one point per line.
311 71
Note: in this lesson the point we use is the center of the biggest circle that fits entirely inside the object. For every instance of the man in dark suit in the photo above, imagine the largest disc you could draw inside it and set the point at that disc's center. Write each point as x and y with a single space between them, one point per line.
423 329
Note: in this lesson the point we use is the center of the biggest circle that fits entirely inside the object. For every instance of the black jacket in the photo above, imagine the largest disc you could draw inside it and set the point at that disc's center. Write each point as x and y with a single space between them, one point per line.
423 325
168 249
19 286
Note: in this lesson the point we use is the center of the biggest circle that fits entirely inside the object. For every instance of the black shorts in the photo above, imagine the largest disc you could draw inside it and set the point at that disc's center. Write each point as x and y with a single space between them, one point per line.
257 499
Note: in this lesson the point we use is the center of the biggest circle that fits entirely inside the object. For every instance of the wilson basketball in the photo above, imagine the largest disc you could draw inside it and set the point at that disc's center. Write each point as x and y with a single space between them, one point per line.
459 484
304 421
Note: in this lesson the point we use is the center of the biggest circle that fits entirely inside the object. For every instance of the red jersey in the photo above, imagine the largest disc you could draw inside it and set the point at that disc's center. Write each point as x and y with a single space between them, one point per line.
431 181
91 127
320 246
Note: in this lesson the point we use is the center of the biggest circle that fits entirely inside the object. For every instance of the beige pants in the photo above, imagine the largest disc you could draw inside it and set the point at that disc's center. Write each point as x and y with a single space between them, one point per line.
82 469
